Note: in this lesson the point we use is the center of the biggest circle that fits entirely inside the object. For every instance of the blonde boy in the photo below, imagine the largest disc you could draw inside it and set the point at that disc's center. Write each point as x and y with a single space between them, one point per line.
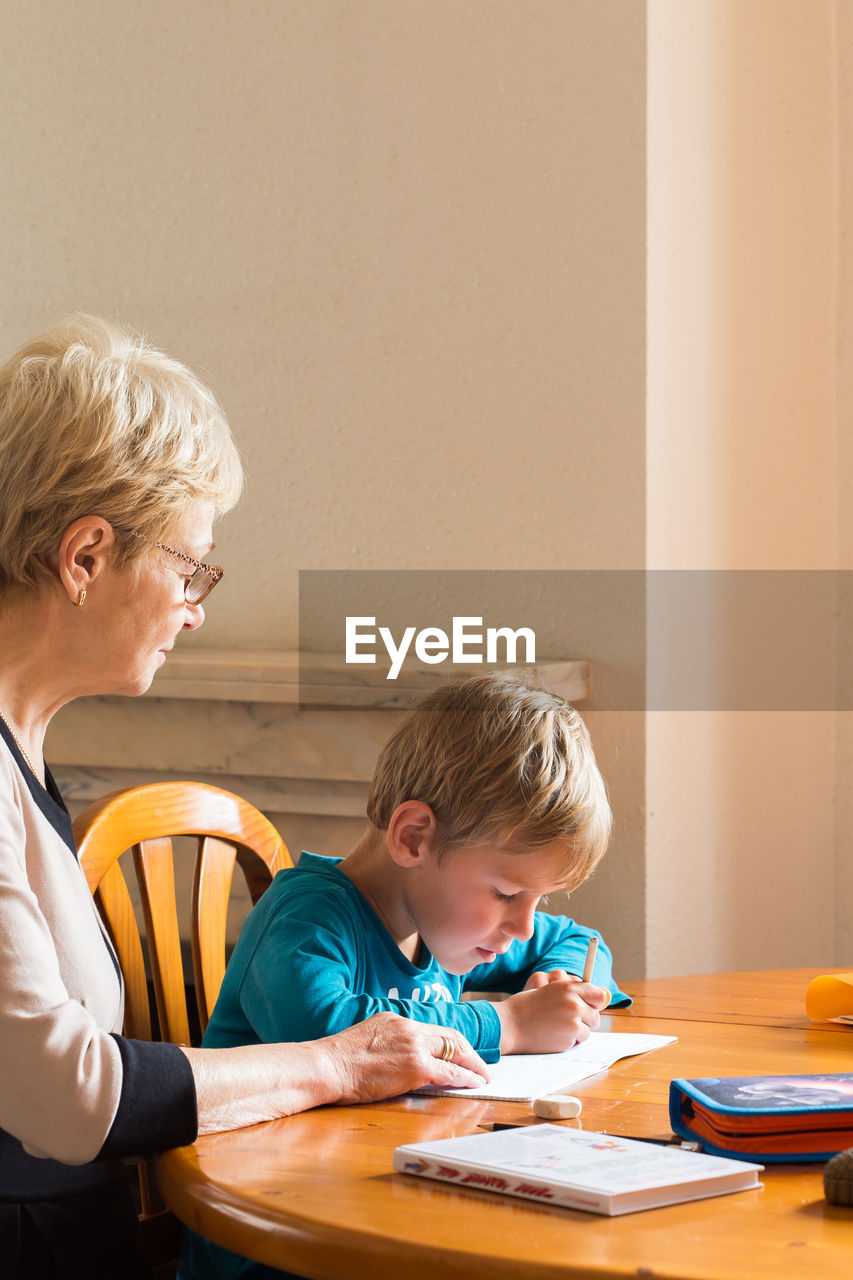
485 799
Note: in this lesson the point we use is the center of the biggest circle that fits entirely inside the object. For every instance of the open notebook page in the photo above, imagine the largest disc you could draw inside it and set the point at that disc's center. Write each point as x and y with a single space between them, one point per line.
521 1077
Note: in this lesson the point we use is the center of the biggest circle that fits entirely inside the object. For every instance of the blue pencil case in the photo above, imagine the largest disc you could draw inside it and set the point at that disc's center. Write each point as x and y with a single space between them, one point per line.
766 1118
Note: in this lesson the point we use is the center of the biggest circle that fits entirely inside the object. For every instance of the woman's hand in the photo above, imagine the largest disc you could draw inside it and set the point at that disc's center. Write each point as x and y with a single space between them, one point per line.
387 1055
376 1059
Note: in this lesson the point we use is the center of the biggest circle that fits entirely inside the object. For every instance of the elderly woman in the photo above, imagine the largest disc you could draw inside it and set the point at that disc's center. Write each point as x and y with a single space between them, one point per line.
114 463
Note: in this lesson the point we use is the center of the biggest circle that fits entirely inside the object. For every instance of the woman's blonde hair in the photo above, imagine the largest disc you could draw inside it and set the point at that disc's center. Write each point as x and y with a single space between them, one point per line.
499 761
94 421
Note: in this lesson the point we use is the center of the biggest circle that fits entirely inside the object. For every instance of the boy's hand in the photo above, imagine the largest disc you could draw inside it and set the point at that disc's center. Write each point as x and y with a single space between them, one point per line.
540 979
554 1011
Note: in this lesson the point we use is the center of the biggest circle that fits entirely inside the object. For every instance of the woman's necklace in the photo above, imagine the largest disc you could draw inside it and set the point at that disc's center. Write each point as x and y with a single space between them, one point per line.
20 744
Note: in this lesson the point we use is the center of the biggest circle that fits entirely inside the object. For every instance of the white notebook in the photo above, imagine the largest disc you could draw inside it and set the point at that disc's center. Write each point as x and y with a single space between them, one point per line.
521 1077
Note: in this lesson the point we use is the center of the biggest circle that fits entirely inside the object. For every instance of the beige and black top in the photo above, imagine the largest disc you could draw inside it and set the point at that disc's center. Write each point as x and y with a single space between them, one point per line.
74 1093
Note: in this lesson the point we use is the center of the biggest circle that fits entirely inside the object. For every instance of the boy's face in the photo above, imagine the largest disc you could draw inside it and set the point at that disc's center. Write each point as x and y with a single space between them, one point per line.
472 905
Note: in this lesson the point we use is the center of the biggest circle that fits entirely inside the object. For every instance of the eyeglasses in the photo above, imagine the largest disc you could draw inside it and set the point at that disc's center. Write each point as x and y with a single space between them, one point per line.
198 585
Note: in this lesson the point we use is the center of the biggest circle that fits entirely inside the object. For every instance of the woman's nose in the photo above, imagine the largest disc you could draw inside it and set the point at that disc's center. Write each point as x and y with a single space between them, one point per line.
194 618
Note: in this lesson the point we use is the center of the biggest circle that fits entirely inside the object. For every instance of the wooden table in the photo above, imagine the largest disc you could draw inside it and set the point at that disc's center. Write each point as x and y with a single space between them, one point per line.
315 1194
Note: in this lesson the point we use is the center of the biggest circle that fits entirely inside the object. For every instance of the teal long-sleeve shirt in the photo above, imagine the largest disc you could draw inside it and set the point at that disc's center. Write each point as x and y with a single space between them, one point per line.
314 958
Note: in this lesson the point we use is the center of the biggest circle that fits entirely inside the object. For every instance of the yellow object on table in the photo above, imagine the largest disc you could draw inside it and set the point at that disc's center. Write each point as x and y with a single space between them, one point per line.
829 998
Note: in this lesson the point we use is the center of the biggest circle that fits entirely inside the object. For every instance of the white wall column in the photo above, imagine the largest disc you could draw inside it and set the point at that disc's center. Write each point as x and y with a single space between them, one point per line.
741 466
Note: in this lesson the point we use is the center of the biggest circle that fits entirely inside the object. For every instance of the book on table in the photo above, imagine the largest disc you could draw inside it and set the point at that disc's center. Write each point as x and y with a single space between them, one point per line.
593 1172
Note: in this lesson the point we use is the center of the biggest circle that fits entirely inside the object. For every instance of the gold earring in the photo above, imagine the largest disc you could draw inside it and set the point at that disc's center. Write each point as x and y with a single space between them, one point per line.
81 599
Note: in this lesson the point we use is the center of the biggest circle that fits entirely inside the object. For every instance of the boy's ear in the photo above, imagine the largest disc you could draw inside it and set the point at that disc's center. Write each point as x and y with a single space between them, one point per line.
410 832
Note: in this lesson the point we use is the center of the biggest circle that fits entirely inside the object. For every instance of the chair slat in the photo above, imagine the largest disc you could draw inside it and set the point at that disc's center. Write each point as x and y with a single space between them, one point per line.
155 871
116 908
258 873
214 870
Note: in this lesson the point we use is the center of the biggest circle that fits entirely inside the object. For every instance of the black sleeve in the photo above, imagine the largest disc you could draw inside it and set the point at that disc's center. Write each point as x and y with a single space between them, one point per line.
157 1108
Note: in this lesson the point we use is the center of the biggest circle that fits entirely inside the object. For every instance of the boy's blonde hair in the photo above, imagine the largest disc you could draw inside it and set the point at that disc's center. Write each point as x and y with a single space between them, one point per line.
499 761
94 421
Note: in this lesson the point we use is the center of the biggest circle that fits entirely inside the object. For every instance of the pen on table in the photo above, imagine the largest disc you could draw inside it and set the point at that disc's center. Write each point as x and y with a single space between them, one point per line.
590 959
656 1142
673 1141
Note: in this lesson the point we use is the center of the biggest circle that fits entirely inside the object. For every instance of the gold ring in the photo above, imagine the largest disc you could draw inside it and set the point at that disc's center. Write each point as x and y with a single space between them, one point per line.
448 1049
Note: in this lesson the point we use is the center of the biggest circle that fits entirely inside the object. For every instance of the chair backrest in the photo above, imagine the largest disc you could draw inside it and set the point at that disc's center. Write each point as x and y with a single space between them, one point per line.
144 819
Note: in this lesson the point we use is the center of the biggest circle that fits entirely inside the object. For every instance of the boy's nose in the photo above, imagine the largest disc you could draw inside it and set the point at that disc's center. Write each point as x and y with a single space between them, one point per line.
520 922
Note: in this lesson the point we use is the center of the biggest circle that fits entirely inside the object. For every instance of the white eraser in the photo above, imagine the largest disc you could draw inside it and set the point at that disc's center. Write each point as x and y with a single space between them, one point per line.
557 1106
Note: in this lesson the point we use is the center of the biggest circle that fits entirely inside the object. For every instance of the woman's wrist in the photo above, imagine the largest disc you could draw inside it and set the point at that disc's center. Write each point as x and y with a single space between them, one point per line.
250 1083
323 1070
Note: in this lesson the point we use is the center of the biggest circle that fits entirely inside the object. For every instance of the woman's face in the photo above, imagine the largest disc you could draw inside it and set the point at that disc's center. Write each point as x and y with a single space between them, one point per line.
142 608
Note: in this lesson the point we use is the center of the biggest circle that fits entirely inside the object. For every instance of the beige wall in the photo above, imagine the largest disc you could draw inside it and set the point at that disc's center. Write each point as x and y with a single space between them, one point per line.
407 244
405 241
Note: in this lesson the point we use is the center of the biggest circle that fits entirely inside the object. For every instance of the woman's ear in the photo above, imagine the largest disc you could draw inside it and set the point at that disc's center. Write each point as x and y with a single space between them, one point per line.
410 832
85 551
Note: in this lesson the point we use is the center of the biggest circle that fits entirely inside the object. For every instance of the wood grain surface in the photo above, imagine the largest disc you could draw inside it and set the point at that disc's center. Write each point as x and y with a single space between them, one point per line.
314 1193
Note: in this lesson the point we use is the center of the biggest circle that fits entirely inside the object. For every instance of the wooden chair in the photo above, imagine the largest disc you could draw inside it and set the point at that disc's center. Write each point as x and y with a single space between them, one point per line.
144 819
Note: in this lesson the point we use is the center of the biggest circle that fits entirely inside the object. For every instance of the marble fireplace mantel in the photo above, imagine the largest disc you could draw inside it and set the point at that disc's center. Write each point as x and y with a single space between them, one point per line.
242 720
302 752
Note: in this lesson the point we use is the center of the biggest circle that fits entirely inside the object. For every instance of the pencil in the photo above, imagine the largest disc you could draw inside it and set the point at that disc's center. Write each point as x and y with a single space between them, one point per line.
590 959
